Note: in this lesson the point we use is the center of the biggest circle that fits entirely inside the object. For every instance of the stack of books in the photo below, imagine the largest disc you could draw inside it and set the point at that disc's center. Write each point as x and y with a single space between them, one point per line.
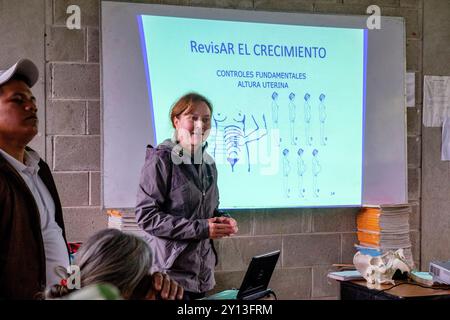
124 221
384 227
346 275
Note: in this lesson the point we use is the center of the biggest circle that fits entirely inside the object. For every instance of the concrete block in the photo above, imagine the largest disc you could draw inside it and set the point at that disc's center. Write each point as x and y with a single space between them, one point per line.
348 241
413 20
310 250
334 220
81 223
94 188
66 117
292 284
48 80
436 28
283 5
75 81
235 253
322 285
435 182
93 118
415 246
413 55
245 222
77 153
49 151
89 10
22 35
73 188
176 2
419 89
283 221
414 121
229 4
414 218
63 44
340 9
48 12
411 3
389 3
414 152
435 232
414 180
93 45
431 147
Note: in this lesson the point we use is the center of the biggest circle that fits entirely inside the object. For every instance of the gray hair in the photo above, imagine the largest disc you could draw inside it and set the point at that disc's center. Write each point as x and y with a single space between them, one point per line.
111 256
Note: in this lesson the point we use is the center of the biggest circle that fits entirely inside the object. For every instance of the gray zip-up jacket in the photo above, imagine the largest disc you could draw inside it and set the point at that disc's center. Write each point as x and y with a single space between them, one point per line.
174 201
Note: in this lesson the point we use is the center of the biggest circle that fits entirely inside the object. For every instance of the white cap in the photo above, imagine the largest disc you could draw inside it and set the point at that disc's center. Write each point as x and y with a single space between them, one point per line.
24 67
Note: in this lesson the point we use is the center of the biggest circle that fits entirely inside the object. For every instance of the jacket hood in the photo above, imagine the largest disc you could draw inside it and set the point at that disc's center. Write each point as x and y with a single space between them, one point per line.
167 144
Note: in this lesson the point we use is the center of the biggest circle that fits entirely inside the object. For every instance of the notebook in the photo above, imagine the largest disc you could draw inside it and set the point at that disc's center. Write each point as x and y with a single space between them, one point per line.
346 275
256 280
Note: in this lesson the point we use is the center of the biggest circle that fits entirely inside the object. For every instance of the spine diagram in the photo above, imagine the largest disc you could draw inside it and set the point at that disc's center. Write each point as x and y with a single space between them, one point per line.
217 130
232 138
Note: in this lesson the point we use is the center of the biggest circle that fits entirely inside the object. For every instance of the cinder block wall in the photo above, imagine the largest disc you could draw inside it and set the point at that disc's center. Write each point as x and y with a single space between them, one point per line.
435 242
311 239
73 142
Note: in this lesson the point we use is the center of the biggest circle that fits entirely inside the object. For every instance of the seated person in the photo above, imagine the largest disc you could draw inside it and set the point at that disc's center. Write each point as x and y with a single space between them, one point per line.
122 260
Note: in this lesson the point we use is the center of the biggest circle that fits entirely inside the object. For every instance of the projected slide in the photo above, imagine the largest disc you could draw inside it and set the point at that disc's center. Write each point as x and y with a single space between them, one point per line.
287 126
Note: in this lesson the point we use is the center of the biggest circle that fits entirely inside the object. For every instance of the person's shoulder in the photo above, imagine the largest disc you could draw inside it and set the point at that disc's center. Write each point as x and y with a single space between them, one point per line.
159 154
209 161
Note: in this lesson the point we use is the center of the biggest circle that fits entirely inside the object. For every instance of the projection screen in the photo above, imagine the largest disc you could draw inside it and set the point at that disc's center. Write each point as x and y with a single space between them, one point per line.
309 110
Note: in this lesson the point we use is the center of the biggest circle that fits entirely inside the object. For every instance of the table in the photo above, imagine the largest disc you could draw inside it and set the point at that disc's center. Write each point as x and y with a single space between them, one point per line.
406 290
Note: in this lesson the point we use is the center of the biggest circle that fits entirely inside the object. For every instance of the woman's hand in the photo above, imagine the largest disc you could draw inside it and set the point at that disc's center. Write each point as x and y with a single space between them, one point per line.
220 227
165 287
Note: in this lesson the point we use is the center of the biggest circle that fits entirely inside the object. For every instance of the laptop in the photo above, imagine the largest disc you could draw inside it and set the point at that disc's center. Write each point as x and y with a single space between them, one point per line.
256 280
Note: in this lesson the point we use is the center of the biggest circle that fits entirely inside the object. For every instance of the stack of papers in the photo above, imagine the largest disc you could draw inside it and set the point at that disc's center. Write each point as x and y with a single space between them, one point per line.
422 277
124 221
384 227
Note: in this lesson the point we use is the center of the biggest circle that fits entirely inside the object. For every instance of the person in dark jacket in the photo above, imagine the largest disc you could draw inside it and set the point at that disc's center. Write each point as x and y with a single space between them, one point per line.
178 199
32 236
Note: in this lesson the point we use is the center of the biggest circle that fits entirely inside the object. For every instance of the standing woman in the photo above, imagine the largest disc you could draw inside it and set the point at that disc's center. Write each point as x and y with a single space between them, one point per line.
178 198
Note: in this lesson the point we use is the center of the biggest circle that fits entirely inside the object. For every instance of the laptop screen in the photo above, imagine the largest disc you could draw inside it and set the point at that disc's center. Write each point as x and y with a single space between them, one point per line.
258 274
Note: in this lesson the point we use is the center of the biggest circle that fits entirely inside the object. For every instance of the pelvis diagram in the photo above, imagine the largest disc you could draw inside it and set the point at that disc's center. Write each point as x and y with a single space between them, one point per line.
232 135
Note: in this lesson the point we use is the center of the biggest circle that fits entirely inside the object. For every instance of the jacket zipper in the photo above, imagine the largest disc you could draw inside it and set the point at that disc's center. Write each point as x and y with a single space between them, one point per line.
202 206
